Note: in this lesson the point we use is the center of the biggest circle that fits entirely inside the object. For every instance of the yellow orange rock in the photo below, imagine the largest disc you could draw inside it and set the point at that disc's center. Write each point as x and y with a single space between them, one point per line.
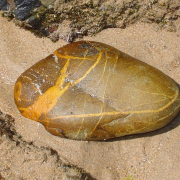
91 91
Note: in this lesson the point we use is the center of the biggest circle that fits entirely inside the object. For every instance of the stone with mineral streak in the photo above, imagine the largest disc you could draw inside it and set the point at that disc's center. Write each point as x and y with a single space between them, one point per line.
91 91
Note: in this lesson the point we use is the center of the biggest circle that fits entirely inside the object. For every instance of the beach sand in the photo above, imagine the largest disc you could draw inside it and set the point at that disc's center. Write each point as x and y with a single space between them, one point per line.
150 156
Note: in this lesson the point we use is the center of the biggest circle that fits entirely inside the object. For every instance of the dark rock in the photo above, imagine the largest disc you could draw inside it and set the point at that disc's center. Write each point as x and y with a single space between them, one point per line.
4 5
23 8
33 22
18 2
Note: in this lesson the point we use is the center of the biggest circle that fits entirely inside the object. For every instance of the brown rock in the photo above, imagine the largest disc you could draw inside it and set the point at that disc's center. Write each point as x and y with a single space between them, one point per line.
92 91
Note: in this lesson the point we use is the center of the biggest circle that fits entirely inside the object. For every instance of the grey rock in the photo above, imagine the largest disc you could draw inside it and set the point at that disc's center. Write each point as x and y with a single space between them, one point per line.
23 8
4 5
18 2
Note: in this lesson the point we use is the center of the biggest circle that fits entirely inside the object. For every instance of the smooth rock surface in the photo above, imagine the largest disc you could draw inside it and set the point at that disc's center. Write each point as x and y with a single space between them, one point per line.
88 90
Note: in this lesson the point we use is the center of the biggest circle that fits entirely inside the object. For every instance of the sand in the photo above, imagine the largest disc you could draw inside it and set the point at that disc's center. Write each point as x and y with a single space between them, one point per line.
150 156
